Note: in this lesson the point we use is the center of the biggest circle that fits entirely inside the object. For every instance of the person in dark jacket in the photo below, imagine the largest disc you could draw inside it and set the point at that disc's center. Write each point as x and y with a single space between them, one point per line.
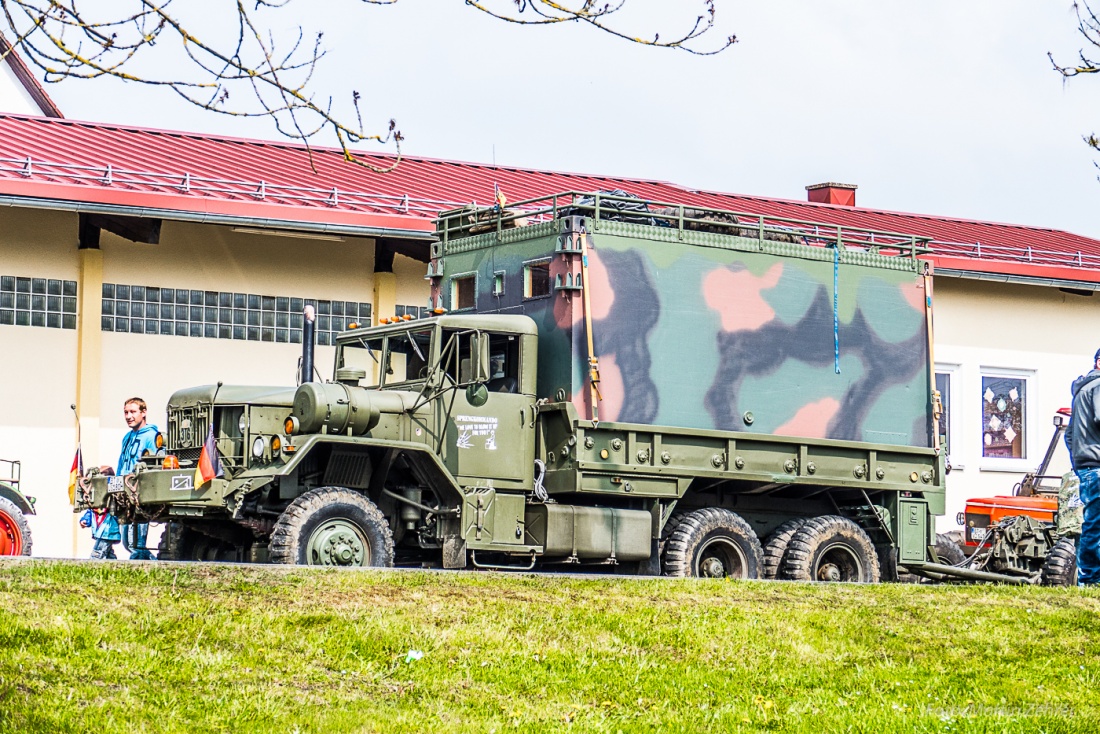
1084 440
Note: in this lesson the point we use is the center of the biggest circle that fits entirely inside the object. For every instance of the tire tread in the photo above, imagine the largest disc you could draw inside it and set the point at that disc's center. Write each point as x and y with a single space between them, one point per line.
798 560
285 542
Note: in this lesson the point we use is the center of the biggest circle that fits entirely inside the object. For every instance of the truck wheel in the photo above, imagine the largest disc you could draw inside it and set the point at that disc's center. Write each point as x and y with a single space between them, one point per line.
830 548
1060 566
176 543
713 543
776 545
948 551
15 533
332 526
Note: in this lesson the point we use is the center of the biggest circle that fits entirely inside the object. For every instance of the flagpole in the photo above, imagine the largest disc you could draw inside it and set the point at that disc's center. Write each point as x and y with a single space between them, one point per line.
75 524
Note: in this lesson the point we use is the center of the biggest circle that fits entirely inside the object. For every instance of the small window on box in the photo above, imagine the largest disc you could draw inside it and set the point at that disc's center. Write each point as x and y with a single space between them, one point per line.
536 279
1004 401
498 283
462 292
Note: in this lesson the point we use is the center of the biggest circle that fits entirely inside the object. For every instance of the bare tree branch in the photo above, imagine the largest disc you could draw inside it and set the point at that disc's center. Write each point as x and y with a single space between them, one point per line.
1088 25
544 12
249 71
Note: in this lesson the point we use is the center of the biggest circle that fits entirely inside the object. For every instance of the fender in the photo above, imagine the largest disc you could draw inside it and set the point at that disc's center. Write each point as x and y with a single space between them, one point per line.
9 493
427 463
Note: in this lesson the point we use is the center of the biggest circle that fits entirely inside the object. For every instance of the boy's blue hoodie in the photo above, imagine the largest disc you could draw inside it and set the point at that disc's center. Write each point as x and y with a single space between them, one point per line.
134 444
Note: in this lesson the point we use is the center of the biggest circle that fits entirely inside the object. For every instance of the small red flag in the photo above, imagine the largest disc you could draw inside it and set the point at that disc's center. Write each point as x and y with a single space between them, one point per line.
209 466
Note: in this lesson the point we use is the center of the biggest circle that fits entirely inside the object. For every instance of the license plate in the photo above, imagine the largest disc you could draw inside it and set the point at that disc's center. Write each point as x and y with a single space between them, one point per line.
977 534
115 485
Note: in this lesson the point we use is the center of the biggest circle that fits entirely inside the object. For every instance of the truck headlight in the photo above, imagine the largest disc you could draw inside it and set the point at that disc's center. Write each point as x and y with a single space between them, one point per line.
258 447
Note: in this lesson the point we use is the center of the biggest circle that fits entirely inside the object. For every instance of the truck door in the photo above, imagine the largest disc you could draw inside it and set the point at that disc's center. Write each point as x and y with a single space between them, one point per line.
493 441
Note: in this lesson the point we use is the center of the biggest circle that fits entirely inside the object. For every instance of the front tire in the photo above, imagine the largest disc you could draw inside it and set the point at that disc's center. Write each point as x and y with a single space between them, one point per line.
332 526
831 548
1060 565
15 533
713 543
175 543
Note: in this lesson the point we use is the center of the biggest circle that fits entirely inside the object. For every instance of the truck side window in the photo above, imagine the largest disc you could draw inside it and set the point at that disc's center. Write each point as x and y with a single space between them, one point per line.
503 359
503 363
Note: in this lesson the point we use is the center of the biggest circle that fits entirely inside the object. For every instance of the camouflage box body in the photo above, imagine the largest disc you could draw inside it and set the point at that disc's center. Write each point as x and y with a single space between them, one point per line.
709 330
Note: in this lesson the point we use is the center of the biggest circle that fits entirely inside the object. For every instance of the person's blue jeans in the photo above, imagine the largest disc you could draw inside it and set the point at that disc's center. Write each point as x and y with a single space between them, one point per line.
134 538
104 549
1088 545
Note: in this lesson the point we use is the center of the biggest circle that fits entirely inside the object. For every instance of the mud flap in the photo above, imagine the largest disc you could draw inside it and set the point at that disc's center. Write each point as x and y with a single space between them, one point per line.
454 552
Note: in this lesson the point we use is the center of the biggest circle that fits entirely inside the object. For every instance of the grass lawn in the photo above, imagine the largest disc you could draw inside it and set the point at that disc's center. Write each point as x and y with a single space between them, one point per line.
126 647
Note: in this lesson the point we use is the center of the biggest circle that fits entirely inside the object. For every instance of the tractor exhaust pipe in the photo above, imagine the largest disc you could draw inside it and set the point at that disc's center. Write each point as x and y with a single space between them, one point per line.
308 322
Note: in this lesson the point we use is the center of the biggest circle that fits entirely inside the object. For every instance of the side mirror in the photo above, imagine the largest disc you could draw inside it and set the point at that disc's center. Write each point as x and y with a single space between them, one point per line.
479 358
477 394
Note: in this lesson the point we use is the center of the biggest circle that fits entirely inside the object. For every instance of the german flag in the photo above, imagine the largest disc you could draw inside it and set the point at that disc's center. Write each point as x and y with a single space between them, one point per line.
209 466
75 473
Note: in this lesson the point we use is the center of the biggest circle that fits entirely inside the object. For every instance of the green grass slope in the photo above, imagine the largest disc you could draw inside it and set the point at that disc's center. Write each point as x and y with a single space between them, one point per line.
118 647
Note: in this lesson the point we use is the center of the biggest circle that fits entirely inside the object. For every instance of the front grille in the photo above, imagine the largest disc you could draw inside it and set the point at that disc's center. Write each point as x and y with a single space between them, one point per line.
191 455
187 429
348 469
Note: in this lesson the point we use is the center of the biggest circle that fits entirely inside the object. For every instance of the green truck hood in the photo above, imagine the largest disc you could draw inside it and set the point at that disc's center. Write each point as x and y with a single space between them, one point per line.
232 395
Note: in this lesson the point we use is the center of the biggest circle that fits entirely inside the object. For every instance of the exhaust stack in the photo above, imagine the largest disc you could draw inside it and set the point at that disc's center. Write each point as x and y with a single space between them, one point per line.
307 345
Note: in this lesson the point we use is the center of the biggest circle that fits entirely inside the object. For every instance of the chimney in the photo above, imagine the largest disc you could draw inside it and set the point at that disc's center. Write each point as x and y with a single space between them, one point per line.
832 193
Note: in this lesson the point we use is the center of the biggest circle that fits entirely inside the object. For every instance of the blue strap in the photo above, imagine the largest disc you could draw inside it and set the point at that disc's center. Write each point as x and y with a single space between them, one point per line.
836 316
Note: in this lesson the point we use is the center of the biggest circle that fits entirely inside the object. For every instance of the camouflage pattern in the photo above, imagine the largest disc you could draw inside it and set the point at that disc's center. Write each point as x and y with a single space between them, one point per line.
1071 511
699 329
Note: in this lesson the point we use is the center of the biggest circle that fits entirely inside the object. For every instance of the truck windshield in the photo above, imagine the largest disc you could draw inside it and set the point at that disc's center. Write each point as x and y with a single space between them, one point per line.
407 356
360 358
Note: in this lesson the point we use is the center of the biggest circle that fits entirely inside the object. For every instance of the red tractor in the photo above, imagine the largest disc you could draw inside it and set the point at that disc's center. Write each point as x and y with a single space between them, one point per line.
1031 497
15 533
1025 537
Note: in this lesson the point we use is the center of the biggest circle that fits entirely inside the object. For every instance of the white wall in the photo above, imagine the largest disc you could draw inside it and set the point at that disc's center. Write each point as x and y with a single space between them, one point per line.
13 95
1042 333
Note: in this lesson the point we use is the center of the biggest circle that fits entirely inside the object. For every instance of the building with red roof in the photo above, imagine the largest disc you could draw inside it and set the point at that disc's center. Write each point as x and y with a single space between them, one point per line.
152 259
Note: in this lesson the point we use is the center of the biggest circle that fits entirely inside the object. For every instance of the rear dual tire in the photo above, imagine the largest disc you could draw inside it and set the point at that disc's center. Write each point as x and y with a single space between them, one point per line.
712 543
830 548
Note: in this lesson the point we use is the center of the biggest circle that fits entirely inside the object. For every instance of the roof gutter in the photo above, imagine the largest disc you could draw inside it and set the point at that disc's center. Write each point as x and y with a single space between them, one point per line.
210 218
1080 285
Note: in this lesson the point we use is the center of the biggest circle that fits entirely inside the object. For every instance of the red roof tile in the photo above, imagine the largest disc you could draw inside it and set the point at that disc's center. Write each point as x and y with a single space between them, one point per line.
75 161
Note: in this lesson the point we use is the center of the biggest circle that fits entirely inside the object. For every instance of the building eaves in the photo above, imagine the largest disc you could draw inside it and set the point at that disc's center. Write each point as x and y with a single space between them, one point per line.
188 175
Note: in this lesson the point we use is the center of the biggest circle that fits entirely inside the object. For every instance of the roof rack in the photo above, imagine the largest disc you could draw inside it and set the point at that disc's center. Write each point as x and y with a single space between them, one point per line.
470 220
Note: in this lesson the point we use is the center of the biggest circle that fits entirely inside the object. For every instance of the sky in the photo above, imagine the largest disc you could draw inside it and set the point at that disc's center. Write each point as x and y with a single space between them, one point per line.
939 107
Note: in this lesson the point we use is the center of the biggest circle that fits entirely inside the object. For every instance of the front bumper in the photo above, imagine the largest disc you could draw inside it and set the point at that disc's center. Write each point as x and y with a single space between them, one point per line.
150 493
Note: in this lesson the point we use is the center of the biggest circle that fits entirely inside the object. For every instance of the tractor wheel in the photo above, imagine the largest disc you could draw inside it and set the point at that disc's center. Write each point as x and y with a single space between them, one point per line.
1060 566
776 545
830 548
15 533
948 551
713 543
332 526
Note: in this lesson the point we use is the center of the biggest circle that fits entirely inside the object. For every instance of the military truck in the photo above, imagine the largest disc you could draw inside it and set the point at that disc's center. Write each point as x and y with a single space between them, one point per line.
15 533
602 384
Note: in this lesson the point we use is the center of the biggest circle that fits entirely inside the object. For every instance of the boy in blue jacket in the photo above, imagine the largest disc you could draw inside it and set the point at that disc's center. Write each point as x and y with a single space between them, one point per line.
105 532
